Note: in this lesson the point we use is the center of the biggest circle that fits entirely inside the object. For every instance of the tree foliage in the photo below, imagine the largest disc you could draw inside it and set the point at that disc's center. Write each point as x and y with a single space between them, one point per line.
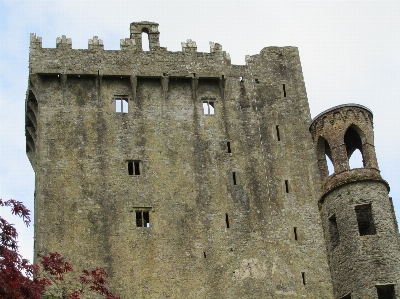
19 279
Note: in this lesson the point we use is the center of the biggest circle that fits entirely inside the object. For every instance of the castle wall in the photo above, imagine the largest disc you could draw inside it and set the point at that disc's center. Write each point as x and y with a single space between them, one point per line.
360 262
243 223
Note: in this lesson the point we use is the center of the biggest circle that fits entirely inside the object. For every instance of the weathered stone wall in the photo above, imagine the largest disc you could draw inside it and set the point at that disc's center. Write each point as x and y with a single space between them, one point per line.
359 263
86 202
360 227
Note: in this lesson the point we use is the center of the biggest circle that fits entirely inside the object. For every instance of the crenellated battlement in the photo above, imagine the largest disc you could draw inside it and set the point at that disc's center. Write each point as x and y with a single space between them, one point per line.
95 43
63 42
196 178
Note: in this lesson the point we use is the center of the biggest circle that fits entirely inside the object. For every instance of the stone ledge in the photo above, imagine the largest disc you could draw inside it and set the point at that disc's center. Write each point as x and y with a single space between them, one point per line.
350 176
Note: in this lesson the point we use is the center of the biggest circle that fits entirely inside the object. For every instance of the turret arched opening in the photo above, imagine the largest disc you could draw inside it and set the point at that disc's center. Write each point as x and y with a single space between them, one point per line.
145 40
325 162
353 141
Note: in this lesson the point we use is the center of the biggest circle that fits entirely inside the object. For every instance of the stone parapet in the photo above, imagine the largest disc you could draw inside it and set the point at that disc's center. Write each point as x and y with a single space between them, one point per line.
349 176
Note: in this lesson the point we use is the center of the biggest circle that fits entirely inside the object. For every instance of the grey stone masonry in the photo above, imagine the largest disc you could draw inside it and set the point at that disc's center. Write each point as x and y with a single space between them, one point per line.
186 176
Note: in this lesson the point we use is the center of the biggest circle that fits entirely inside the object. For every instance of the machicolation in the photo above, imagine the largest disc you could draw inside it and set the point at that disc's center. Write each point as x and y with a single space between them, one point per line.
186 176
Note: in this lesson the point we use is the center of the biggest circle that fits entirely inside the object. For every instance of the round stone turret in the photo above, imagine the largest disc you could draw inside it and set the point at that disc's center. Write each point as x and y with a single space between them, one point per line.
359 224
337 133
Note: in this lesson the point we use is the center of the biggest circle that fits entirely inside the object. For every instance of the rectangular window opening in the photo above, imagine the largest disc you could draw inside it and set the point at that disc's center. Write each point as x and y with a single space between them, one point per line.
211 107
287 186
364 220
234 177
139 219
284 90
130 168
134 167
333 231
146 219
227 220
385 291
137 168
208 107
228 145
121 105
295 233
303 277
142 218
277 133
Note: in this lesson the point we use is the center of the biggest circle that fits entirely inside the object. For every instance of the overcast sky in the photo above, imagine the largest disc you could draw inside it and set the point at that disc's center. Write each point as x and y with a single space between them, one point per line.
349 53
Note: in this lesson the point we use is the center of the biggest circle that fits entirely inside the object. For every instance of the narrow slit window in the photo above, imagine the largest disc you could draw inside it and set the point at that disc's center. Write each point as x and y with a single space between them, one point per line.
333 231
284 90
121 105
295 233
145 40
287 186
277 133
134 167
364 220
227 220
130 168
204 254
303 277
137 167
208 107
385 291
234 177
228 145
146 219
142 219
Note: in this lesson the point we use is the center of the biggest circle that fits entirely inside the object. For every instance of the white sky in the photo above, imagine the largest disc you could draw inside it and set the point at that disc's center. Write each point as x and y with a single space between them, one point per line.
349 52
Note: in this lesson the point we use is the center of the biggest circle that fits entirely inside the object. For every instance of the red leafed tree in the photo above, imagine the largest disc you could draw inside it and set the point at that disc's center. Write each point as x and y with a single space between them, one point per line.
19 279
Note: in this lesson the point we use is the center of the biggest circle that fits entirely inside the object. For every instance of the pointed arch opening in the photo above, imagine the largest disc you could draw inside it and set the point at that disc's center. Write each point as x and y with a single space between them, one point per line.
352 140
145 40
324 154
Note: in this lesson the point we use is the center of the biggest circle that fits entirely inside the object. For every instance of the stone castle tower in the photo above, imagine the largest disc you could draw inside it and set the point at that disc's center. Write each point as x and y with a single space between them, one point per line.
185 176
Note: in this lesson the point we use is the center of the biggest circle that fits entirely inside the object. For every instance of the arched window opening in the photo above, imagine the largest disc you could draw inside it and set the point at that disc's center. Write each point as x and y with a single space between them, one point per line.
145 40
324 154
331 168
356 160
353 144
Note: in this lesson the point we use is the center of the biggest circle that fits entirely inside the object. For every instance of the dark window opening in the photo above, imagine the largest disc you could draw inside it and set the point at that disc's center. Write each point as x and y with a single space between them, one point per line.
204 254
208 107
134 167
284 91
277 133
303 277
295 233
385 291
227 220
228 145
130 168
142 219
333 231
121 105
348 296
287 186
234 177
364 220
257 81
353 144
137 168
